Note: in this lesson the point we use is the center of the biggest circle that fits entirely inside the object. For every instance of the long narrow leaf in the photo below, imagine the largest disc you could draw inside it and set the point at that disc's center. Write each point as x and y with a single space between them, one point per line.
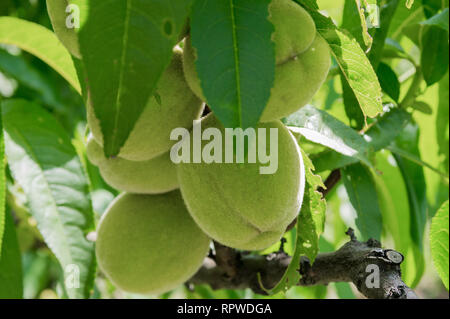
2 184
414 179
439 242
45 164
320 127
42 43
310 226
11 286
353 62
361 190
379 136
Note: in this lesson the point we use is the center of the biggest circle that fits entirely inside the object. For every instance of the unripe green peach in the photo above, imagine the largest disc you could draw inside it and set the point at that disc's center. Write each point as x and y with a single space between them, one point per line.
57 11
148 244
173 106
302 61
155 176
234 203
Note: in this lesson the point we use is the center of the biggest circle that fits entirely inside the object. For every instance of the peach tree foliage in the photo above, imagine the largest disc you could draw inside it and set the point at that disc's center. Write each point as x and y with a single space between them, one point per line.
380 118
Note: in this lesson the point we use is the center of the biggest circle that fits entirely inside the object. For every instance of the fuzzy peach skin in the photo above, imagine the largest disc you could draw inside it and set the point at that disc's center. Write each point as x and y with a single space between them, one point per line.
149 244
237 206
155 176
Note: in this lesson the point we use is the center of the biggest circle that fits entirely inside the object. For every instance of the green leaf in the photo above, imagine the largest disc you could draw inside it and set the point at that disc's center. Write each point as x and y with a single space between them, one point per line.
344 290
46 166
423 107
353 62
310 225
432 7
320 127
2 184
67 17
380 33
393 50
363 10
351 105
389 81
430 133
394 206
404 17
414 158
435 51
351 21
439 238
312 213
40 42
386 130
292 276
414 266
413 32
379 136
126 46
235 57
11 286
37 271
26 74
414 179
330 160
439 20
312 4
442 121
360 186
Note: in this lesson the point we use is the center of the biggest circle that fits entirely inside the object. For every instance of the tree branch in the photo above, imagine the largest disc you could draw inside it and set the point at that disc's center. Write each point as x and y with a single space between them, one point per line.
331 181
374 271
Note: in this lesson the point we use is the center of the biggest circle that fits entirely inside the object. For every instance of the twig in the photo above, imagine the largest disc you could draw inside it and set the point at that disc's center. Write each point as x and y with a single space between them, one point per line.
332 180
374 271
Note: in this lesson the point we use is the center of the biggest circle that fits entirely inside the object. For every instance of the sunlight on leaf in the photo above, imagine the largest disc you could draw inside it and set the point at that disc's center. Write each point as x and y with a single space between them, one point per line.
439 238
